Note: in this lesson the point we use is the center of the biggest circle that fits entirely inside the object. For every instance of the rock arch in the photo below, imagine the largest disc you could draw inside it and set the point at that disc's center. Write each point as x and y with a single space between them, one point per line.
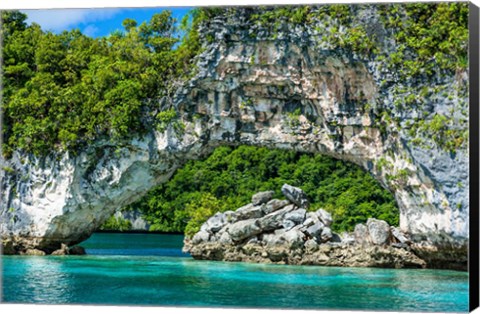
287 94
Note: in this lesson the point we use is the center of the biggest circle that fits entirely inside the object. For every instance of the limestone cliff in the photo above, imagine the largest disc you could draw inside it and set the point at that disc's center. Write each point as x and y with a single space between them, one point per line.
290 89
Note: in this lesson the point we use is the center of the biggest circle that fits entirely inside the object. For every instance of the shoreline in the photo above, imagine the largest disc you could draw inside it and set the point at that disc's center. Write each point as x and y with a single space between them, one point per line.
139 232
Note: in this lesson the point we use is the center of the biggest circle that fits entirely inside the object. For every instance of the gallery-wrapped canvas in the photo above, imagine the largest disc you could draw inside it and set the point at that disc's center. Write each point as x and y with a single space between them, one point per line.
320 156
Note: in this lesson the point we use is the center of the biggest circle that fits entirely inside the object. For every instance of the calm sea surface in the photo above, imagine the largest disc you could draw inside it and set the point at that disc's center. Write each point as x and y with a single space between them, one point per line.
150 269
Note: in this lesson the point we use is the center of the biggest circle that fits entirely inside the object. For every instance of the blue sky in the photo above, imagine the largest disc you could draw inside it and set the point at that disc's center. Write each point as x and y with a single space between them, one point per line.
94 22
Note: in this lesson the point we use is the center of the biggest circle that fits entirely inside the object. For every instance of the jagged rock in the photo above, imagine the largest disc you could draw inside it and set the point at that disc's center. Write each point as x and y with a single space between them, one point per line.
62 251
34 252
249 211
326 235
201 236
308 222
214 223
77 250
290 235
324 216
348 238
230 216
311 245
400 245
225 238
336 238
399 236
295 195
315 230
294 238
262 197
274 205
244 229
379 231
274 220
361 234
297 216
287 224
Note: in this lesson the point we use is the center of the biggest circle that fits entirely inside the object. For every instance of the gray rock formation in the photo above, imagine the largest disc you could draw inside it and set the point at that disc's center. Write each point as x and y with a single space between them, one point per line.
295 195
290 90
379 231
262 197
304 240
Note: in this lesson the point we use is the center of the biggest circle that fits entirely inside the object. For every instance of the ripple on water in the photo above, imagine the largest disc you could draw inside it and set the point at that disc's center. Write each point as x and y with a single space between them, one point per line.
145 277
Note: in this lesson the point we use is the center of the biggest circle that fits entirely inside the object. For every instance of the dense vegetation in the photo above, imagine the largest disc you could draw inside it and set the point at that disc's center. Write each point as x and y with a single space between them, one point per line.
229 177
116 224
64 91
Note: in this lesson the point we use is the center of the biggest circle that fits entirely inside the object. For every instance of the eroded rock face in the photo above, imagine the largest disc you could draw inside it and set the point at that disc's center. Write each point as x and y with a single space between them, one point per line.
291 91
304 240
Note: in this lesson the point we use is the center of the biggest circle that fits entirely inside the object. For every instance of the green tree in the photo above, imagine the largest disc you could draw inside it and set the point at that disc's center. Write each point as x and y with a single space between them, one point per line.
229 177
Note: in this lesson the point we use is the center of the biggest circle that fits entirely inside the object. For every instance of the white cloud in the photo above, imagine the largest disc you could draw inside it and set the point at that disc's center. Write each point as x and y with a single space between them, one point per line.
62 19
90 30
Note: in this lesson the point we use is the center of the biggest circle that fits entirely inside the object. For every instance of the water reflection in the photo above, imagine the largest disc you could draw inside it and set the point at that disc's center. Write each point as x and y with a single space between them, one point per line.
44 274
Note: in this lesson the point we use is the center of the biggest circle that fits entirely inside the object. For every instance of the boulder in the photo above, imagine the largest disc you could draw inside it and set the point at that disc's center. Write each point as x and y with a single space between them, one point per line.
274 220
214 223
244 229
347 238
262 197
291 239
315 230
201 236
274 205
77 250
379 231
336 238
294 238
230 217
63 250
326 234
324 216
248 212
308 222
361 234
400 236
295 195
311 245
297 216
225 238
287 224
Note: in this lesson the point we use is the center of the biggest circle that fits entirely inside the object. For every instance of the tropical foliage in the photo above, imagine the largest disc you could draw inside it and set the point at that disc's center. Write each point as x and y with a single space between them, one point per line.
64 91
229 177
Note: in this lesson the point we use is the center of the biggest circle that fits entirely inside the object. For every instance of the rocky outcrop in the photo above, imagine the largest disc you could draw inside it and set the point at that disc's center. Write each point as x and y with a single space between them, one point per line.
289 234
291 90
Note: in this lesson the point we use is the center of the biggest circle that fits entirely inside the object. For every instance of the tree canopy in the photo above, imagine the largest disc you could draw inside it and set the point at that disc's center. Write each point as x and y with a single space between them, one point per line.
62 91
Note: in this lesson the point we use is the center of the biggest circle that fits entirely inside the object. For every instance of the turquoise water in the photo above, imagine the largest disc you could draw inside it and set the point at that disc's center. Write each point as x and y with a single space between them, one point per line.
138 269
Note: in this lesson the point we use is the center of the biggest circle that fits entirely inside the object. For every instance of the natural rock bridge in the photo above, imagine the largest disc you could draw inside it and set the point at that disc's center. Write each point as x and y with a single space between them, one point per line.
288 93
